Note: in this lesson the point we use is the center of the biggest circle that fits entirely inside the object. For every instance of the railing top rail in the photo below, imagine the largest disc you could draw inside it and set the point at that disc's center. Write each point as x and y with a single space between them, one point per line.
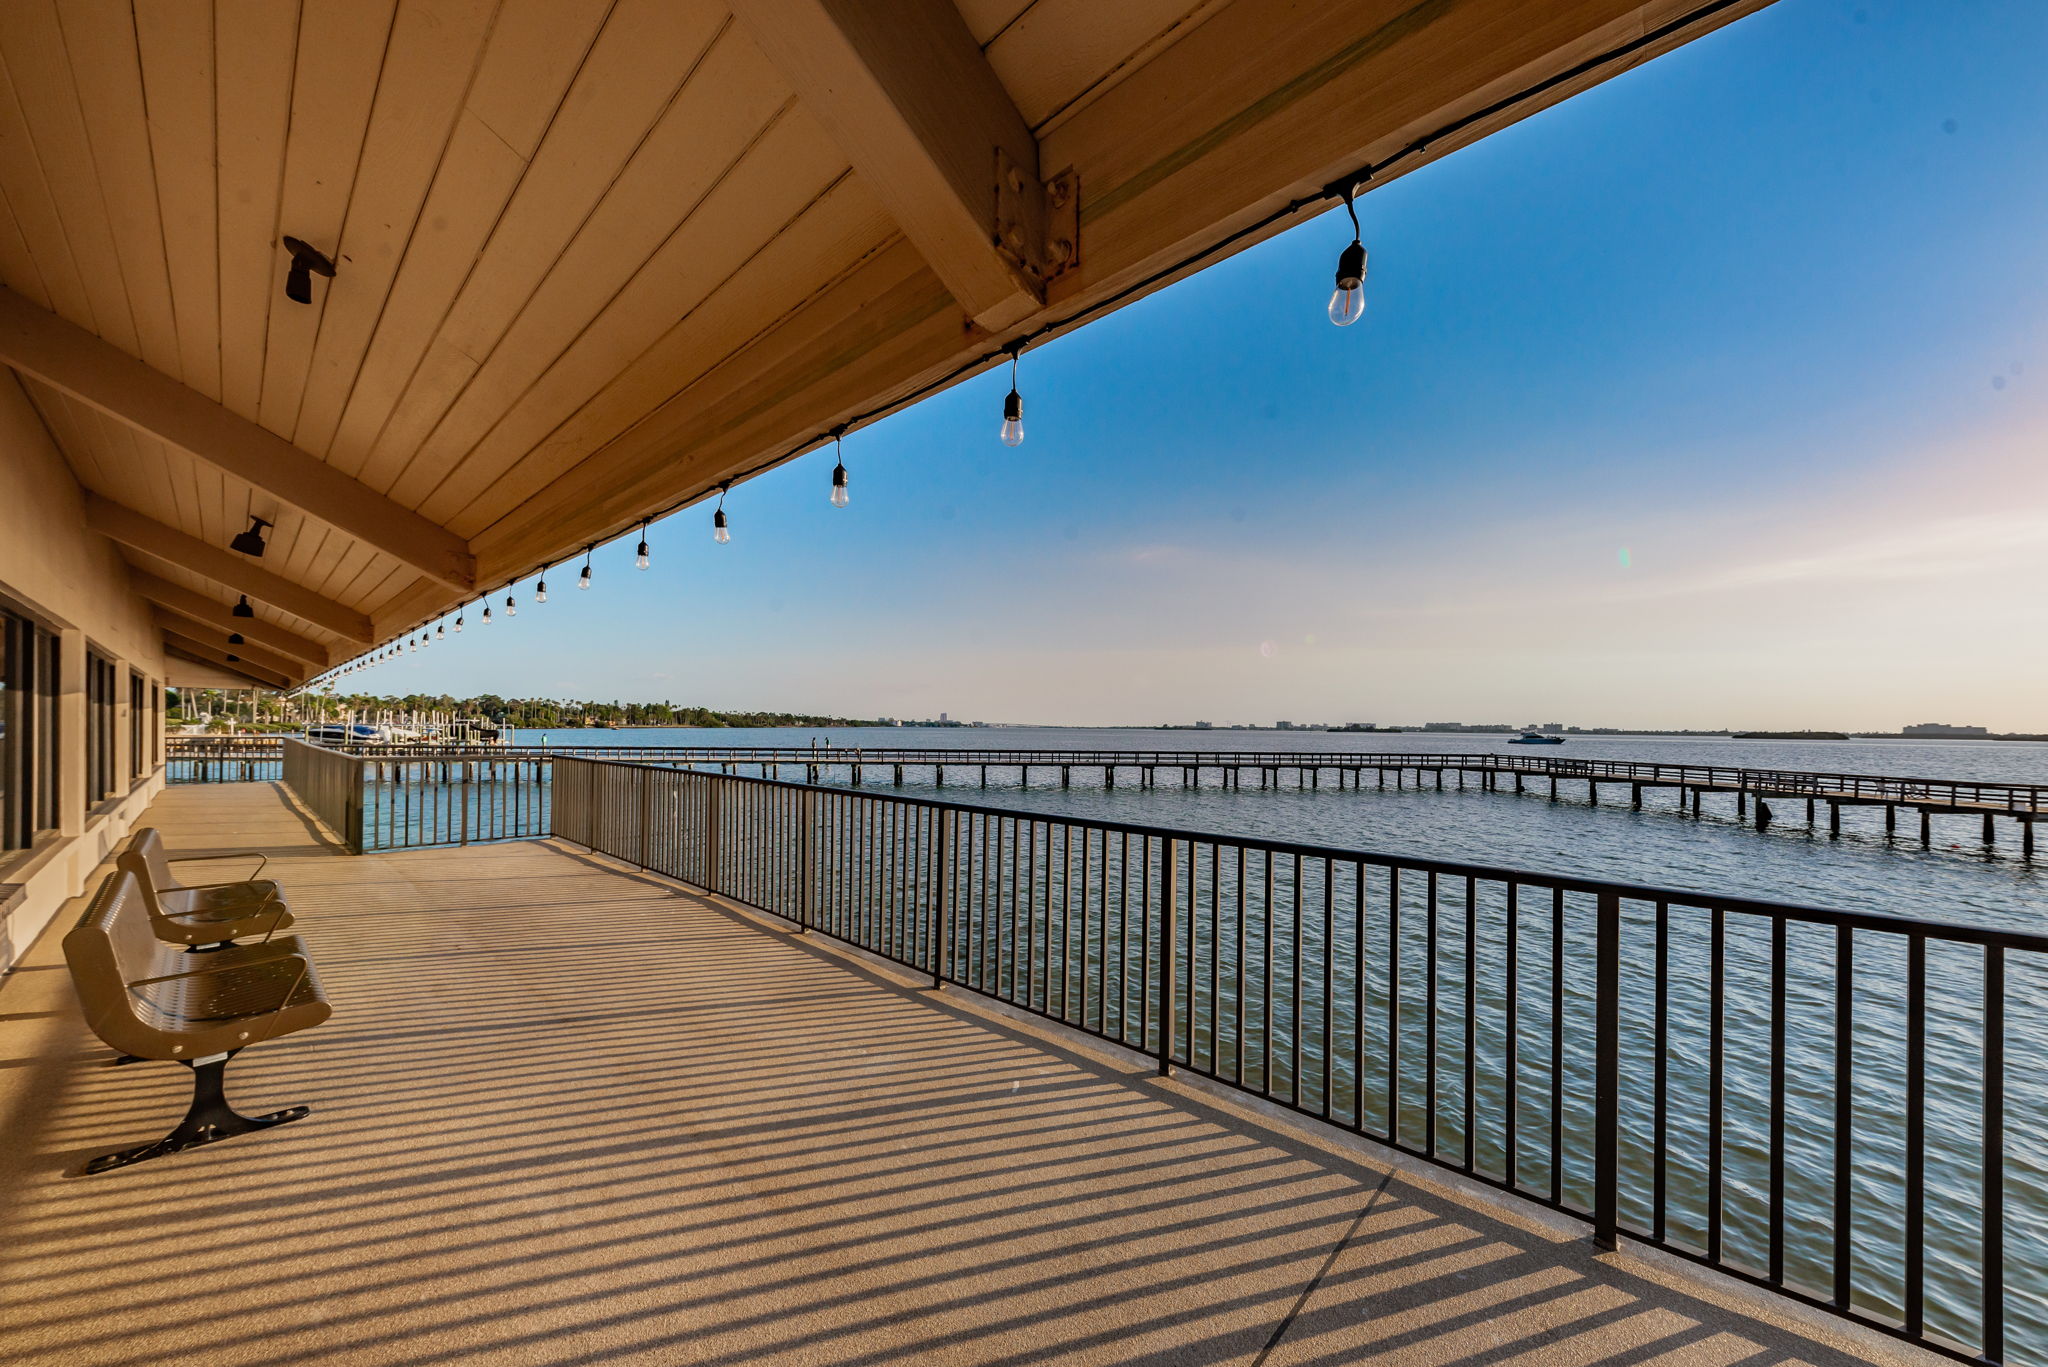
1864 920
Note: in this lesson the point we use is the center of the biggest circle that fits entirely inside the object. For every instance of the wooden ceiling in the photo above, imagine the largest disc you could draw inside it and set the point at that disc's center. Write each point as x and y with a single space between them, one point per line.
597 256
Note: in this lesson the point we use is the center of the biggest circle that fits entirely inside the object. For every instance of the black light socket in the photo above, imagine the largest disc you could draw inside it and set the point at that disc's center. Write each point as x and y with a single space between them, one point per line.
242 608
307 261
1351 266
250 542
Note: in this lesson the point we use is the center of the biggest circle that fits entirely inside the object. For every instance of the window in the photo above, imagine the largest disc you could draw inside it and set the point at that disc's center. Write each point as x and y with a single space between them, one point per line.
138 715
28 731
99 727
156 724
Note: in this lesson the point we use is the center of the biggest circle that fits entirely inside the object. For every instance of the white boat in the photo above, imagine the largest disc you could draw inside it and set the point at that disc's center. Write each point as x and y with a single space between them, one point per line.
1536 738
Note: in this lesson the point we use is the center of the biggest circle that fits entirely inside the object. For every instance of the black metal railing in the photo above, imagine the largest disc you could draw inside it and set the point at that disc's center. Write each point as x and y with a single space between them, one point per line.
451 798
1821 1102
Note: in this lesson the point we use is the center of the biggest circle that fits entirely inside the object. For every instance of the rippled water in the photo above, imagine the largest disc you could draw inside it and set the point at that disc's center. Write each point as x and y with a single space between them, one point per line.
1958 878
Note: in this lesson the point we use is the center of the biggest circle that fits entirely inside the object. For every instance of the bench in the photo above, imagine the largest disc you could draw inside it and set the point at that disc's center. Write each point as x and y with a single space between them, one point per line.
201 915
145 999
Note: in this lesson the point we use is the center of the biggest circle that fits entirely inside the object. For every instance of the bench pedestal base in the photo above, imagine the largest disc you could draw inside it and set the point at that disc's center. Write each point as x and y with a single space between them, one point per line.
209 1121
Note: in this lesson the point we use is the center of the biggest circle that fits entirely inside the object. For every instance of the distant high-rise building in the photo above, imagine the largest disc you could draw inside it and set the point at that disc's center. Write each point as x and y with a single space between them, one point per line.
944 718
1201 726
1939 728
1283 726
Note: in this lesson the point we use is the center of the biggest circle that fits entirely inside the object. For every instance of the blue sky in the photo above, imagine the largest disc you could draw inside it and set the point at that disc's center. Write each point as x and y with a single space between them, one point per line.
1714 396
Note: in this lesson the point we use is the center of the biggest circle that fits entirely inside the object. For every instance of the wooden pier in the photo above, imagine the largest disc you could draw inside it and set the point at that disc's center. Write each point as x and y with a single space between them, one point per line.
1757 796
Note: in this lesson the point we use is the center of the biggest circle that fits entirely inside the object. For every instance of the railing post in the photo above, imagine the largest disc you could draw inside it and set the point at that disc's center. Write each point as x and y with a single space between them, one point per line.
1169 921
942 900
711 805
354 819
645 778
806 901
1607 1073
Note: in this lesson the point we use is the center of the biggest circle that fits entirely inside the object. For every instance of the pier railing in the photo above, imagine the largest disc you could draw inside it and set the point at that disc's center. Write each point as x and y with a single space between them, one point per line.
330 785
1812 1100
395 803
210 758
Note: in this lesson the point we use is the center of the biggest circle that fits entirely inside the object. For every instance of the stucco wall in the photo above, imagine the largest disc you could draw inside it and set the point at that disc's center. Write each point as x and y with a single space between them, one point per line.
75 580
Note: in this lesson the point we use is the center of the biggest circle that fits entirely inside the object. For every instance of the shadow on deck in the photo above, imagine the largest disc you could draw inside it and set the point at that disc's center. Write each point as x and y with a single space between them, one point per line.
567 1113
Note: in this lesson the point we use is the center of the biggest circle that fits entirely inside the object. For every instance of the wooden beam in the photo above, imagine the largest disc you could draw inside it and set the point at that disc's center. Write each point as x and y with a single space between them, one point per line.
184 670
208 634
218 615
904 90
66 357
179 643
237 572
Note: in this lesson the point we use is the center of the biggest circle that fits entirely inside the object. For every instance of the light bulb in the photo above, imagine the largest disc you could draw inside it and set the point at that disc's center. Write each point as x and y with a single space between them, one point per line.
583 579
1013 419
719 533
640 557
487 616
839 486
458 626
441 633
1347 304
511 606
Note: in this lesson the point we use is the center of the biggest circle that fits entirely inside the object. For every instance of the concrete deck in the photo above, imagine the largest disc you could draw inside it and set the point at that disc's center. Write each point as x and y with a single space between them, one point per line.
568 1113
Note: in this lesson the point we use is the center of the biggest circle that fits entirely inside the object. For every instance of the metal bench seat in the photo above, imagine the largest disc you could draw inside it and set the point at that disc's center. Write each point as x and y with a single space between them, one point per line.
200 914
147 1000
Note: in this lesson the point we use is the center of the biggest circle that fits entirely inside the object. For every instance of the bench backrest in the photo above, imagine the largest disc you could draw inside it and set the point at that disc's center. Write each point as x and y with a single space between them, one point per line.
112 946
146 857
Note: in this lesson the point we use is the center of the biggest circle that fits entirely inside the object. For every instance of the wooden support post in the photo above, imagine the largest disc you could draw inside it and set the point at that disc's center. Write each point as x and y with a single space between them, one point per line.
1926 827
1891 820
1834 819
1066 776
1635 796
1741 802
1990 830
1518 785
1592 792
1809 814
1108 776
2026 837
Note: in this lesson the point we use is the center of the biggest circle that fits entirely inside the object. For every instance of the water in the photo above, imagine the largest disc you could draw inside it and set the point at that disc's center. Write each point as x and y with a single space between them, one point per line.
1956 879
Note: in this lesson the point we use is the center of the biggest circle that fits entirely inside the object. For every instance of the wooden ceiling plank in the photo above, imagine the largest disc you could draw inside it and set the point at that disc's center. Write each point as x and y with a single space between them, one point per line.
215 673
434 53
32 45
255 42
816 362
342 45
17 264
214 613
175 44
106 70
534 52
225 568
831 237
39 343
720 113
218 655
35 210
907 93
634 69
1062 53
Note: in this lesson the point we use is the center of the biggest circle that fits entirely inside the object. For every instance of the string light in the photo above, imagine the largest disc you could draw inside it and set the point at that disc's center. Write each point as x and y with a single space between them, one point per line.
487 610
1013 405
719 532
441 631
242 608
540 589
458 621
640 556
511 604
583 580
838 470
1347 304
